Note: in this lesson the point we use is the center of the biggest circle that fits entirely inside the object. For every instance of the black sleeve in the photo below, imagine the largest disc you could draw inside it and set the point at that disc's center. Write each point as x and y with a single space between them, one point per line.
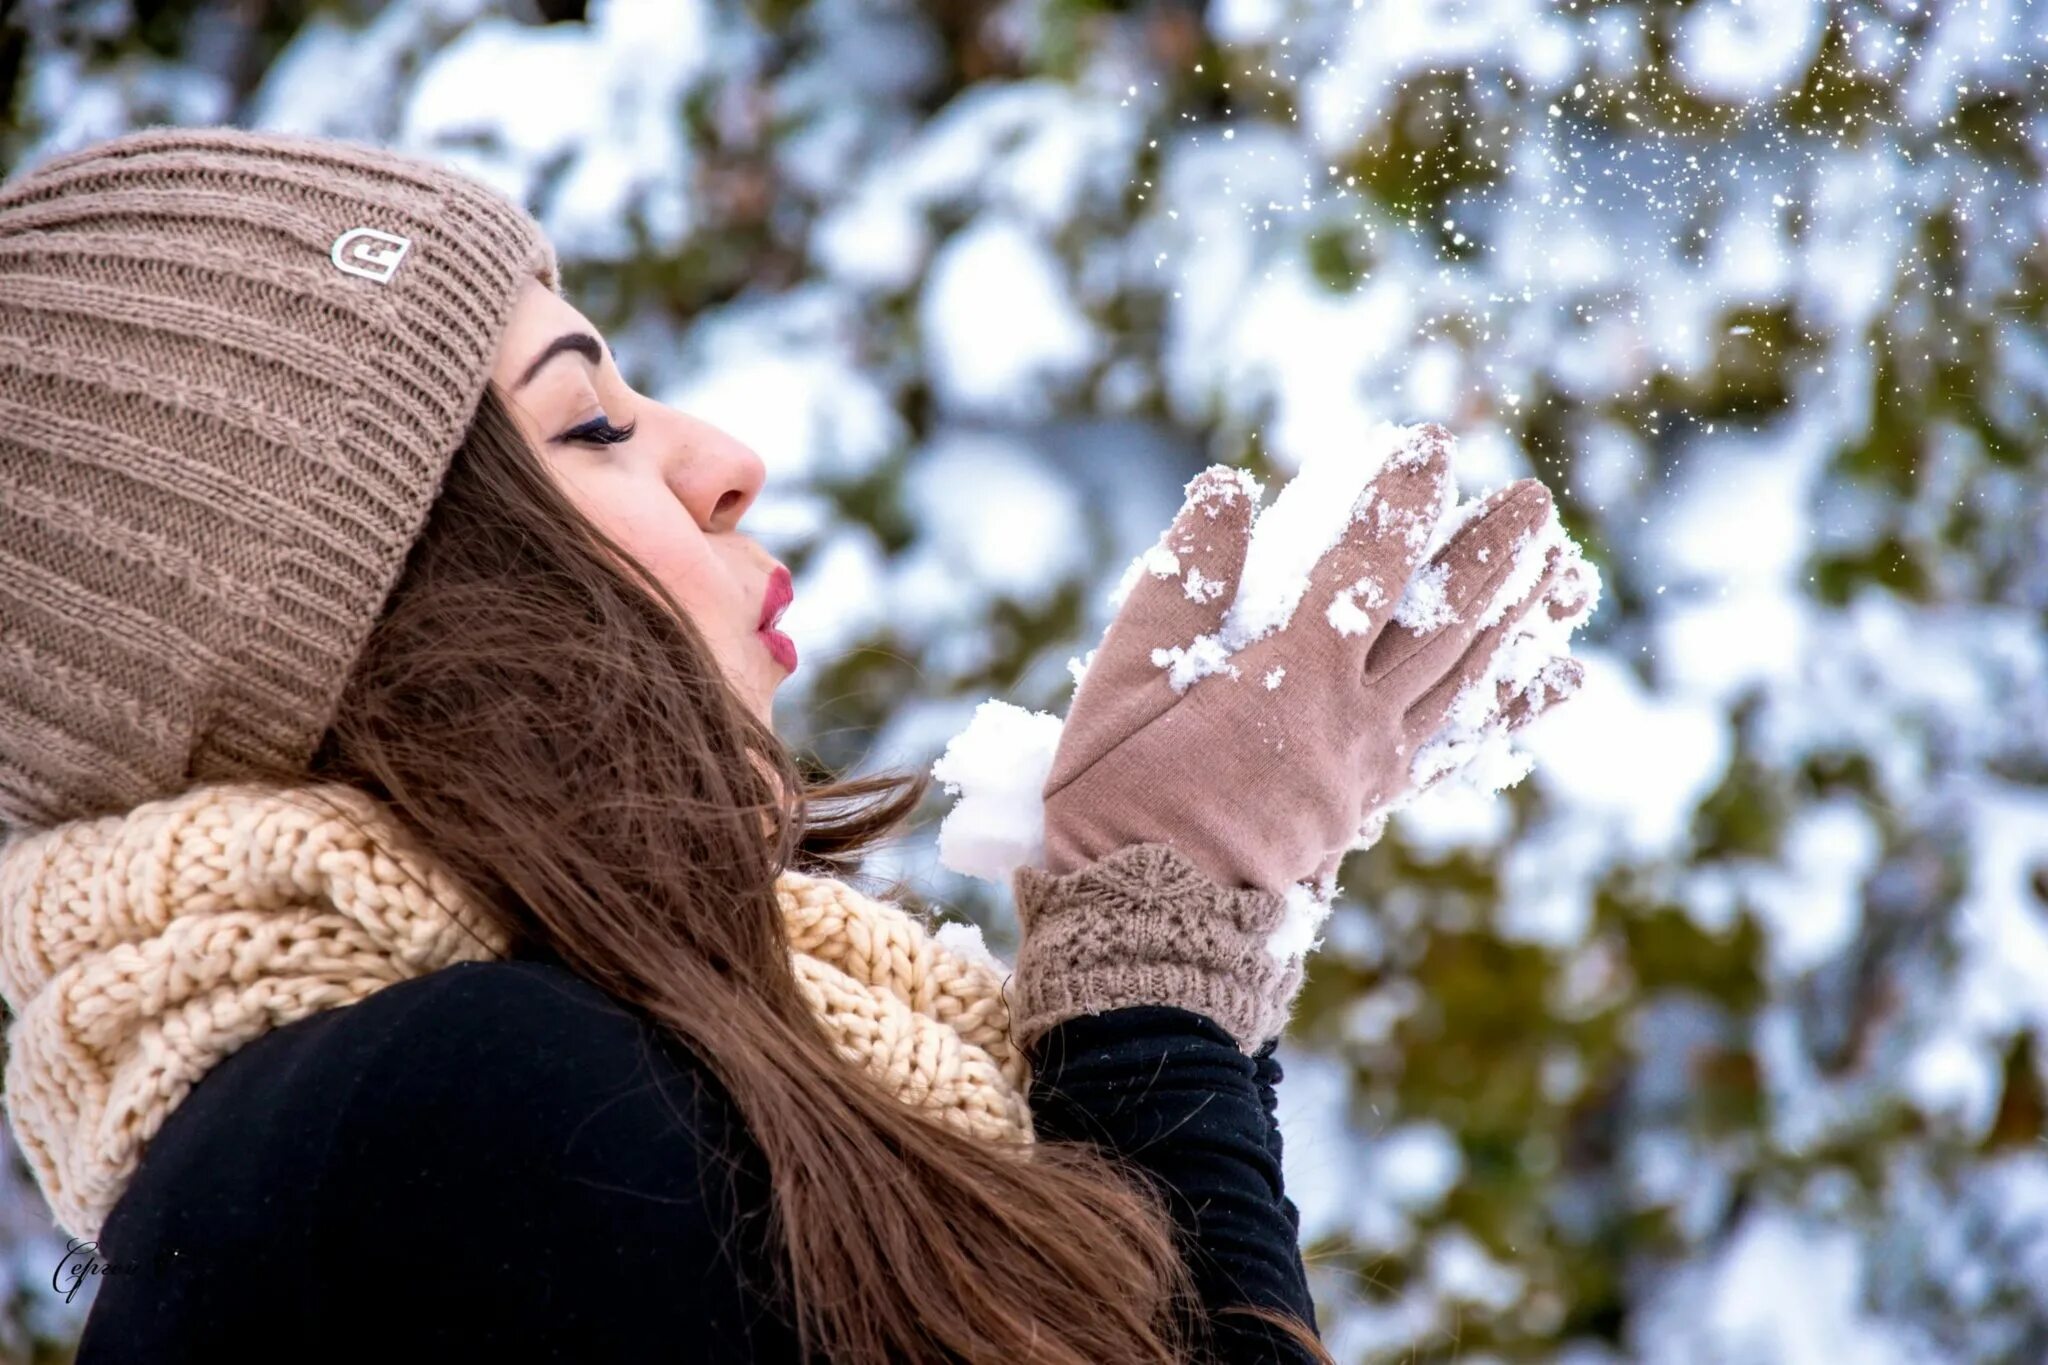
1267 1075
545 1180
1168 1090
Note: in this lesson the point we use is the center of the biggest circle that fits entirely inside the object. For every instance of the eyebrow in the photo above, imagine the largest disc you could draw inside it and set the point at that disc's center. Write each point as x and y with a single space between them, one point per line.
582 343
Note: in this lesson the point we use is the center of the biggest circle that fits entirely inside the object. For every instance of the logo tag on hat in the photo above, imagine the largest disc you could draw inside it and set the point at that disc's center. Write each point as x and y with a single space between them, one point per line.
367 252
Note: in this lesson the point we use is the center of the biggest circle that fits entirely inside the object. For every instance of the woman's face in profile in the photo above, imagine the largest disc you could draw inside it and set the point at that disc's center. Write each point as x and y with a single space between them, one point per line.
667 487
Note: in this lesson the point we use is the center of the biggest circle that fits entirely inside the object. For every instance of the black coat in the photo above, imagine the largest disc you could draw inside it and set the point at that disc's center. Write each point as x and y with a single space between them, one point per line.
498 1161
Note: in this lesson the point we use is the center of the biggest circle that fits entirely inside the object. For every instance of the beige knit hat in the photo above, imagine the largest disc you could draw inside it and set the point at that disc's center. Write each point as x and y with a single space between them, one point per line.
233 370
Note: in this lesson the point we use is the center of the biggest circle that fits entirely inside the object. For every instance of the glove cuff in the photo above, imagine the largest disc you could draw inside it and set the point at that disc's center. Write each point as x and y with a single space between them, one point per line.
1144 925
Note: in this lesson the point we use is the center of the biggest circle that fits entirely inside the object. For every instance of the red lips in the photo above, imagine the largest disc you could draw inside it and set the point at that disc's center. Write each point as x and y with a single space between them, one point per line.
772 604
777 598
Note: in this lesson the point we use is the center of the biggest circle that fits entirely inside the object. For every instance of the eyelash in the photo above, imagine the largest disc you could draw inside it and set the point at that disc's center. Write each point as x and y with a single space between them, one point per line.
600 431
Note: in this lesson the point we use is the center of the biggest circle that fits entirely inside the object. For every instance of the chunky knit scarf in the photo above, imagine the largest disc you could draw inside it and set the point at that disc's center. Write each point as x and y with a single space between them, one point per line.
138 950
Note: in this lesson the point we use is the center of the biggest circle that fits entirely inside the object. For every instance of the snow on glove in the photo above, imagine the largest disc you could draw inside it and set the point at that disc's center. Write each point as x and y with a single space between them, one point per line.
1258 702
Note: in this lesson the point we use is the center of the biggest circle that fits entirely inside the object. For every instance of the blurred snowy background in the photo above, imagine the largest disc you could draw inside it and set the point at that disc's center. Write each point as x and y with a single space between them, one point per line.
1724 1037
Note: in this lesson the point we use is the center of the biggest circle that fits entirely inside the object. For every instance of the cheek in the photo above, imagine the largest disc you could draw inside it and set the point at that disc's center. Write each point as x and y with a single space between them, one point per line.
658 531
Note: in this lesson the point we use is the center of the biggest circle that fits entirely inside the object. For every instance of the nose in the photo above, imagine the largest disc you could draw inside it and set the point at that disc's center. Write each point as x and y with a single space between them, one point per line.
715 474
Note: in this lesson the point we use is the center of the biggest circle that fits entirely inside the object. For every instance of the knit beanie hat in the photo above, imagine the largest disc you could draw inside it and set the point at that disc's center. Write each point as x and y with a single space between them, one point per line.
233 370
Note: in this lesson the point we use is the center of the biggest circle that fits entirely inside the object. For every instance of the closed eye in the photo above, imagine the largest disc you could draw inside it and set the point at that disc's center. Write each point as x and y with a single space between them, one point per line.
599 431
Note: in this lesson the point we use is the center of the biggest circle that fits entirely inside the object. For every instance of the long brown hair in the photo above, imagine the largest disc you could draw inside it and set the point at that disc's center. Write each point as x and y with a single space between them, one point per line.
551 725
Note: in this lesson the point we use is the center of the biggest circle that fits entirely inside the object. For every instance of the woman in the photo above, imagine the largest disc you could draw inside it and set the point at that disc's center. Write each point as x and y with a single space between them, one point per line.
417 939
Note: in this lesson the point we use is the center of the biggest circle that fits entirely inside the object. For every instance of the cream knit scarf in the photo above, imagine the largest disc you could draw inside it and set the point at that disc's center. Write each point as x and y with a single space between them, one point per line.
138 950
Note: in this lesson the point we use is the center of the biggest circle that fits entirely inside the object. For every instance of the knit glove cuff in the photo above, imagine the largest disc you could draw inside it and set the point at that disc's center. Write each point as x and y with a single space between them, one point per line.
1143 925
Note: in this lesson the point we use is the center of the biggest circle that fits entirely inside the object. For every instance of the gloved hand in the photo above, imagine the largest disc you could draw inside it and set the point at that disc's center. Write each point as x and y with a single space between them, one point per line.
1204 774
1263 785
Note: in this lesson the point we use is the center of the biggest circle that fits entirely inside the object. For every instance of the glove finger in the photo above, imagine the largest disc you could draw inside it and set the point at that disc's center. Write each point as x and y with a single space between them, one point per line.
1515 706
1569 595
1191 572
1560 681
1179 590
1430 711
1457 594
1520 701
1352 590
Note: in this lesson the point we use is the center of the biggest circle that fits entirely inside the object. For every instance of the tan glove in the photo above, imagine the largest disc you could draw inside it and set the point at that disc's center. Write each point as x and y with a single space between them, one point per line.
1181 822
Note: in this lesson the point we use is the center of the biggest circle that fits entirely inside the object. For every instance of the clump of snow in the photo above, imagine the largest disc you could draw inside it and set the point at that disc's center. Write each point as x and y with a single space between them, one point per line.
1297 934
1201 589
1330 493
1350 611
1158 561
1184 664
966 941
1530 555
1426 605
1318 505
997 768
1455 517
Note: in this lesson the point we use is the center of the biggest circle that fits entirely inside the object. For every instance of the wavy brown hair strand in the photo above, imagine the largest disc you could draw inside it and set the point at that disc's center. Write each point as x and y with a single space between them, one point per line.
546 720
